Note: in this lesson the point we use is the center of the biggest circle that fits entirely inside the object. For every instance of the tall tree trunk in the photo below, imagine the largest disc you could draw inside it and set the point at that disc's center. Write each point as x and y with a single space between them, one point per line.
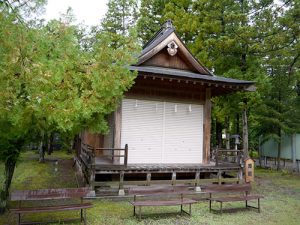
219 134
245 133
237 123
227 132
279 149
9 172
41 149
293 145
50 146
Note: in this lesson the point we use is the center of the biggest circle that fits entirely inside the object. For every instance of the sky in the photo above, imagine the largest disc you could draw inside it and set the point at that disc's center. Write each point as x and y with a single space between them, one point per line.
90 12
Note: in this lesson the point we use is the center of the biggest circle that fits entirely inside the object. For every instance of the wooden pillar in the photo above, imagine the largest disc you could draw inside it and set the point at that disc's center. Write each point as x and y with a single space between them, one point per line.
219 177
92 178
148 179
117 133
121 184
207 126
174 178
197 181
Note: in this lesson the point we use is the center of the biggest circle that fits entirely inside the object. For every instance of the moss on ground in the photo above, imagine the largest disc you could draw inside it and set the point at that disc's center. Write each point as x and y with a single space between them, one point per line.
281 204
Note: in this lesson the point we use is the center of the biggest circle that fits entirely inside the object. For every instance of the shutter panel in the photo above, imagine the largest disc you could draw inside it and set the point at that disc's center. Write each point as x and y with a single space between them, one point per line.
156 132
142 129
183 133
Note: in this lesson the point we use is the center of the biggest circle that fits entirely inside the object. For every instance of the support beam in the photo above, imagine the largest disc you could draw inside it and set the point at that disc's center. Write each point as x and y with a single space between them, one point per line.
207 126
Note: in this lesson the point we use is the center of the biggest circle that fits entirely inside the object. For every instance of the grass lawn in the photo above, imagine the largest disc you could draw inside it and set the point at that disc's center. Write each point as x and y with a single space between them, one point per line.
281 204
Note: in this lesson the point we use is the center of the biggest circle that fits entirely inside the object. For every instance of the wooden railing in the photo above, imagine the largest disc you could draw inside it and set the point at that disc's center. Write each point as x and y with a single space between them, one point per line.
228 156
113 153
89 155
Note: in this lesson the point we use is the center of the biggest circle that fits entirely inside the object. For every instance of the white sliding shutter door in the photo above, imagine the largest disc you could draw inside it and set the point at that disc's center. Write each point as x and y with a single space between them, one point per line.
162 132
183 133
142 129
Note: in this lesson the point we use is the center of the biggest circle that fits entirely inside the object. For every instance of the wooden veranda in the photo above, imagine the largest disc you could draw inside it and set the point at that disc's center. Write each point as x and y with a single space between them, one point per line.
108 168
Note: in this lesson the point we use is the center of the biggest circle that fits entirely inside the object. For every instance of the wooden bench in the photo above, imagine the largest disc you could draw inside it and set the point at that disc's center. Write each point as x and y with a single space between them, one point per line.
243 191
50 200
161 196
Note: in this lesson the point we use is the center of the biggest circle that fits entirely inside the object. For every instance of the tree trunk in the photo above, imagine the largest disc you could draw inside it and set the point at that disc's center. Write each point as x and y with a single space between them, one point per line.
219 134
9 172
50 144
227 133
245 133
279 149
41 149
237 123
293 145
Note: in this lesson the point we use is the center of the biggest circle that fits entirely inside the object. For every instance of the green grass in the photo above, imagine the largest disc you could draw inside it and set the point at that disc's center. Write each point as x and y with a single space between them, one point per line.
281 204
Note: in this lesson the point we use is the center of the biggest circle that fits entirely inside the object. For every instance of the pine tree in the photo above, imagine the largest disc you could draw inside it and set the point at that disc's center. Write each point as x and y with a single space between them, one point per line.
150 18
121 16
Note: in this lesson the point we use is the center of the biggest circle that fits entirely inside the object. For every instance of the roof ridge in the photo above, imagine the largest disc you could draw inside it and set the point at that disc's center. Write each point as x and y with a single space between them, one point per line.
164 27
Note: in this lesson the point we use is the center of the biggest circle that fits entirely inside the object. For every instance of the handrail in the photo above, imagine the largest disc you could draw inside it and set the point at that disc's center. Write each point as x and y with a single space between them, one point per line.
91 151
238 154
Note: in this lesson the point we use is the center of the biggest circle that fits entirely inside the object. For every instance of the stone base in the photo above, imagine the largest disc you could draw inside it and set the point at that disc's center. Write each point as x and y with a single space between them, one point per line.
198 189
121 192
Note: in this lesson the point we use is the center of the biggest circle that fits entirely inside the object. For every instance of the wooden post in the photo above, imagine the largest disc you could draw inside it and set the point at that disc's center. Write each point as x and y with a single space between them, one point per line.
121 184
219 177
126 155
240 174
92 177
148 179
207 126
117 133
197 181
174 178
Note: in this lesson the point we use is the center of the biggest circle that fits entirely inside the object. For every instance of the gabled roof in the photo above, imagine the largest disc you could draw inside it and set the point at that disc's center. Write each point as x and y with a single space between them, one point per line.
161 39
149 63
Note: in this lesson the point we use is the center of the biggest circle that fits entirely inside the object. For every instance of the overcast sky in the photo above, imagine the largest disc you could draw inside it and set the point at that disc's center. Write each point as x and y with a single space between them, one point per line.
89 12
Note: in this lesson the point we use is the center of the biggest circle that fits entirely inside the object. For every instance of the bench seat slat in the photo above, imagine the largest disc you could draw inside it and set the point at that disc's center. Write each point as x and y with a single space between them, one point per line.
49 194
236 198
51 208
163 203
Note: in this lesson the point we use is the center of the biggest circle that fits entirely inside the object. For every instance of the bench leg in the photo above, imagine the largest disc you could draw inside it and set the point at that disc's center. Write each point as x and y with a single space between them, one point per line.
133 210
258 205
140 212
81 215
84 216
246 204
221 207
190 209
209 205
19 219
181 209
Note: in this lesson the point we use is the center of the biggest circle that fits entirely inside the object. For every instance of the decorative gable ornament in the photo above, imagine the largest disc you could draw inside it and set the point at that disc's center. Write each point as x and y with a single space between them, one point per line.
172 48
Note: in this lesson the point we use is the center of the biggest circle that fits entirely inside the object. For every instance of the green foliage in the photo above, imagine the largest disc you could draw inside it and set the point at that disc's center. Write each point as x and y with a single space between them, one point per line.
121 15
150 18
51 82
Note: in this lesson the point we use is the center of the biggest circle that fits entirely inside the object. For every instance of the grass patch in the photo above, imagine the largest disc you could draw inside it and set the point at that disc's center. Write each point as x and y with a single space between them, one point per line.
281 204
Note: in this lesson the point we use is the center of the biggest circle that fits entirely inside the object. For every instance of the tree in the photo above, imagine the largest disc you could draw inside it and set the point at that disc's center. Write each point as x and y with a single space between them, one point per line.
279 114
150 18
120 17
49 83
